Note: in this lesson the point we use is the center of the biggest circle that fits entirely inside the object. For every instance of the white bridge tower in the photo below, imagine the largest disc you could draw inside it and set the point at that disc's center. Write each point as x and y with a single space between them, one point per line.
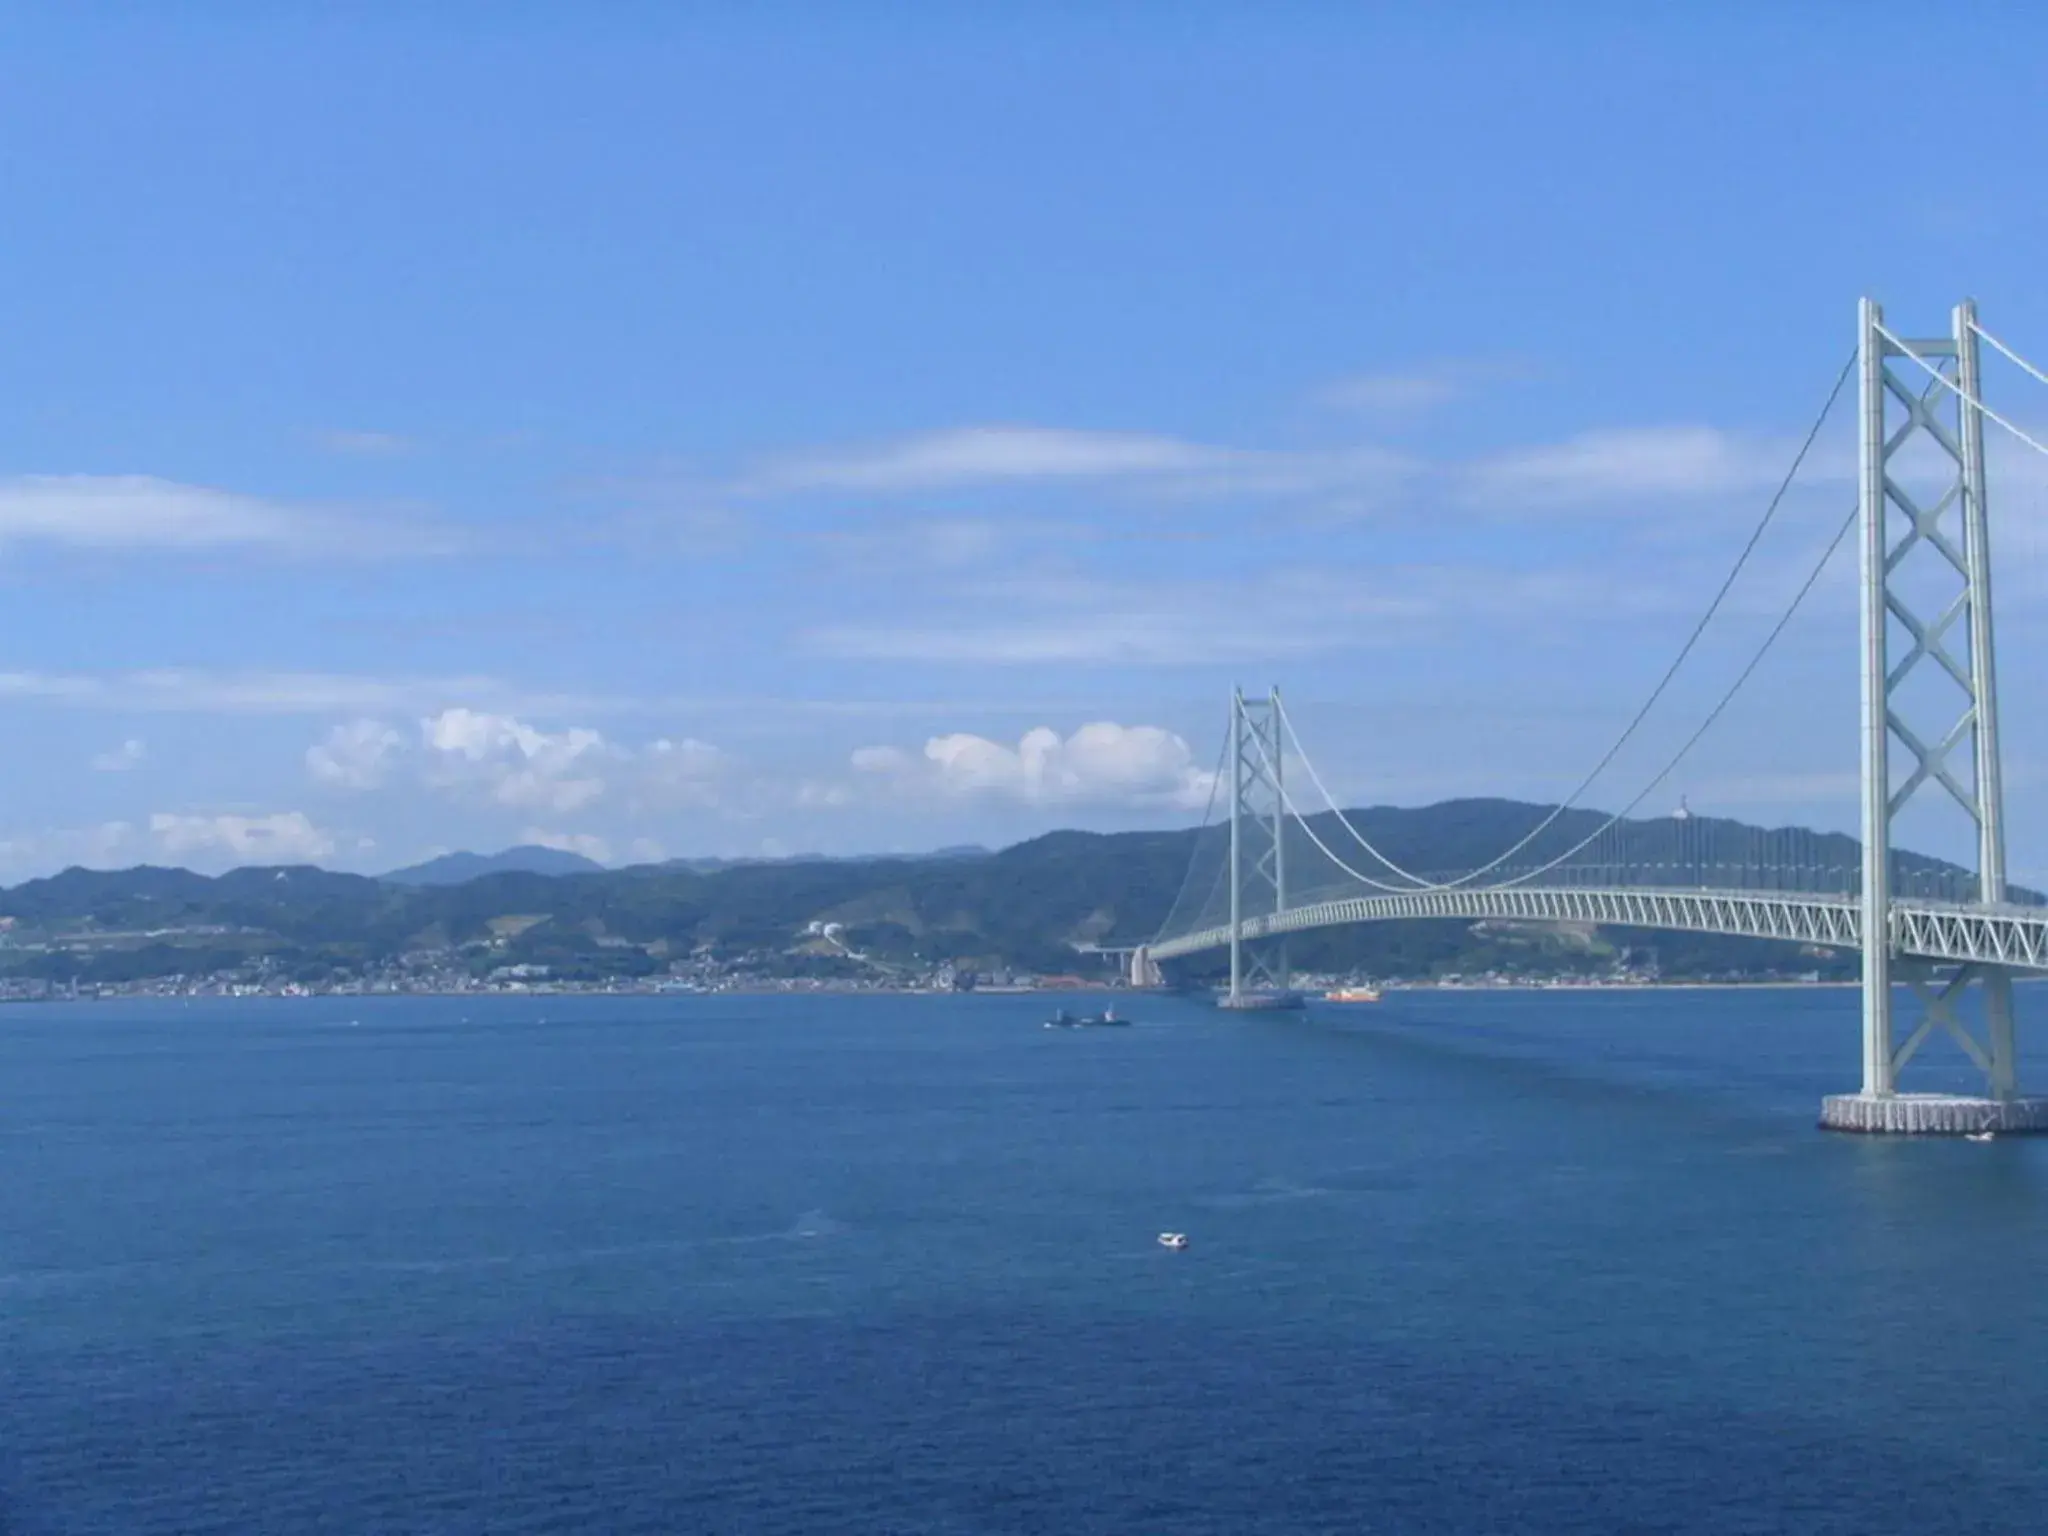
1258 850
1925 568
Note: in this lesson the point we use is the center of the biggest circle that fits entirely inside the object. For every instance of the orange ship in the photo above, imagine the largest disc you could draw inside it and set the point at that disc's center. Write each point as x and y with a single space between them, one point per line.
1352 995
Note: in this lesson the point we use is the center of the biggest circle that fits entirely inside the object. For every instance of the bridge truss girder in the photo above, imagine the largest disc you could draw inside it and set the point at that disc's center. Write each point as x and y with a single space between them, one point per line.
1937 933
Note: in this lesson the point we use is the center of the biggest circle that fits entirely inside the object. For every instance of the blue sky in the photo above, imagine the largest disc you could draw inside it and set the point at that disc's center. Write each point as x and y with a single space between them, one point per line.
706 430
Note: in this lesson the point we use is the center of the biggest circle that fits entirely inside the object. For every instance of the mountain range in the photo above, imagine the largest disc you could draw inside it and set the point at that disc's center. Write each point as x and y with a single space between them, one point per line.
1032 906
533 859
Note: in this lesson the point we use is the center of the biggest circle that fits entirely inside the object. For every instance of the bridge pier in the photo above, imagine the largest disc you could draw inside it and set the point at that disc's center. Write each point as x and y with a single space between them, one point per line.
1932 1114
1882 1109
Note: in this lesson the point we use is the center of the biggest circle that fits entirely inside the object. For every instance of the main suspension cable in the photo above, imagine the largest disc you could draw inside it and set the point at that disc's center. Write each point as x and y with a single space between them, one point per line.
1419 882
1714 714
1195 852
1663 683
1957 390
2011 356
1308 829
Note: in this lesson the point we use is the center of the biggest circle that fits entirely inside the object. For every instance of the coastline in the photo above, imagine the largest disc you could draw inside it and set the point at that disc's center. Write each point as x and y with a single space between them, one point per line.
1388 990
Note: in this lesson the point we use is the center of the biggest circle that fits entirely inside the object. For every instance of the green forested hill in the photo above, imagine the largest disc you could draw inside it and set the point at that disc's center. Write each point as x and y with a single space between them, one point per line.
1023 907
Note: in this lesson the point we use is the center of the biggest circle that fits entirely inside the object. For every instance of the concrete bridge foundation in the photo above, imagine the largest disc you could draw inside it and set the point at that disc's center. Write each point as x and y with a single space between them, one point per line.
1932 1114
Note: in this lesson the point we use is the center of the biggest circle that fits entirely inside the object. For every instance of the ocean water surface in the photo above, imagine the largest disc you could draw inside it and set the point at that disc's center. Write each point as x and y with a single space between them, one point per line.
1460 1262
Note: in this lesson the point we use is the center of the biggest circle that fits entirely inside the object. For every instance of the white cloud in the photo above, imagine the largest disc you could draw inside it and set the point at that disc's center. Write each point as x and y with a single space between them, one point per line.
588 844
357 755
502 759
284 837
515 763
143 512
1101 764
122 758
1631 462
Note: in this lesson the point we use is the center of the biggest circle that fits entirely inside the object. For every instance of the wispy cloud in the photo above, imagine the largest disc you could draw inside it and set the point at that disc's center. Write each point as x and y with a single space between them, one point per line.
1265 616
202 692
1591 473
1630 464
1413 391
141 511
984 455
120 759
967 457
119 513
941 543
1382 393
366 445
927 496
172 691
1155 638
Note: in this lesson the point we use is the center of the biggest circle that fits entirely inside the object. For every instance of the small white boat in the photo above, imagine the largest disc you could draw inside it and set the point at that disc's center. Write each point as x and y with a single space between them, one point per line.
1173 1239
1981 1136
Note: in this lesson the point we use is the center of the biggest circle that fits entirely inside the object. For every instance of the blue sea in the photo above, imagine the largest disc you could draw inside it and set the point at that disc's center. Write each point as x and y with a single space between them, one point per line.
1461 1262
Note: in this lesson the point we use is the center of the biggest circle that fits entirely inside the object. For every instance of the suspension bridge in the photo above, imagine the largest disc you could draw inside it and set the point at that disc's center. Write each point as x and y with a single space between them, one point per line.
1944 937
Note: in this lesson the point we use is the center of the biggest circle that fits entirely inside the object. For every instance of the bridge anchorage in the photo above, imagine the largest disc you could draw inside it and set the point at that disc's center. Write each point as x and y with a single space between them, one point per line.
1950 936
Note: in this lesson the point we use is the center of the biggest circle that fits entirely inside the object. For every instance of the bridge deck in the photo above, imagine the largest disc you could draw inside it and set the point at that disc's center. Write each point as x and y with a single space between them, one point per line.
2004 935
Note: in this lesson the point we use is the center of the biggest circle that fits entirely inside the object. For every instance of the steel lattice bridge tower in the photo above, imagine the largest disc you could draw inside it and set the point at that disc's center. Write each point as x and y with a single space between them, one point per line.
1928 738
1894 528
1258 850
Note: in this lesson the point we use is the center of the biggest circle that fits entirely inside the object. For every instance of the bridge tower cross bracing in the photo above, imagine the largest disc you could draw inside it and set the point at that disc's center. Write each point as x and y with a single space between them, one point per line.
1950 421
1258 845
